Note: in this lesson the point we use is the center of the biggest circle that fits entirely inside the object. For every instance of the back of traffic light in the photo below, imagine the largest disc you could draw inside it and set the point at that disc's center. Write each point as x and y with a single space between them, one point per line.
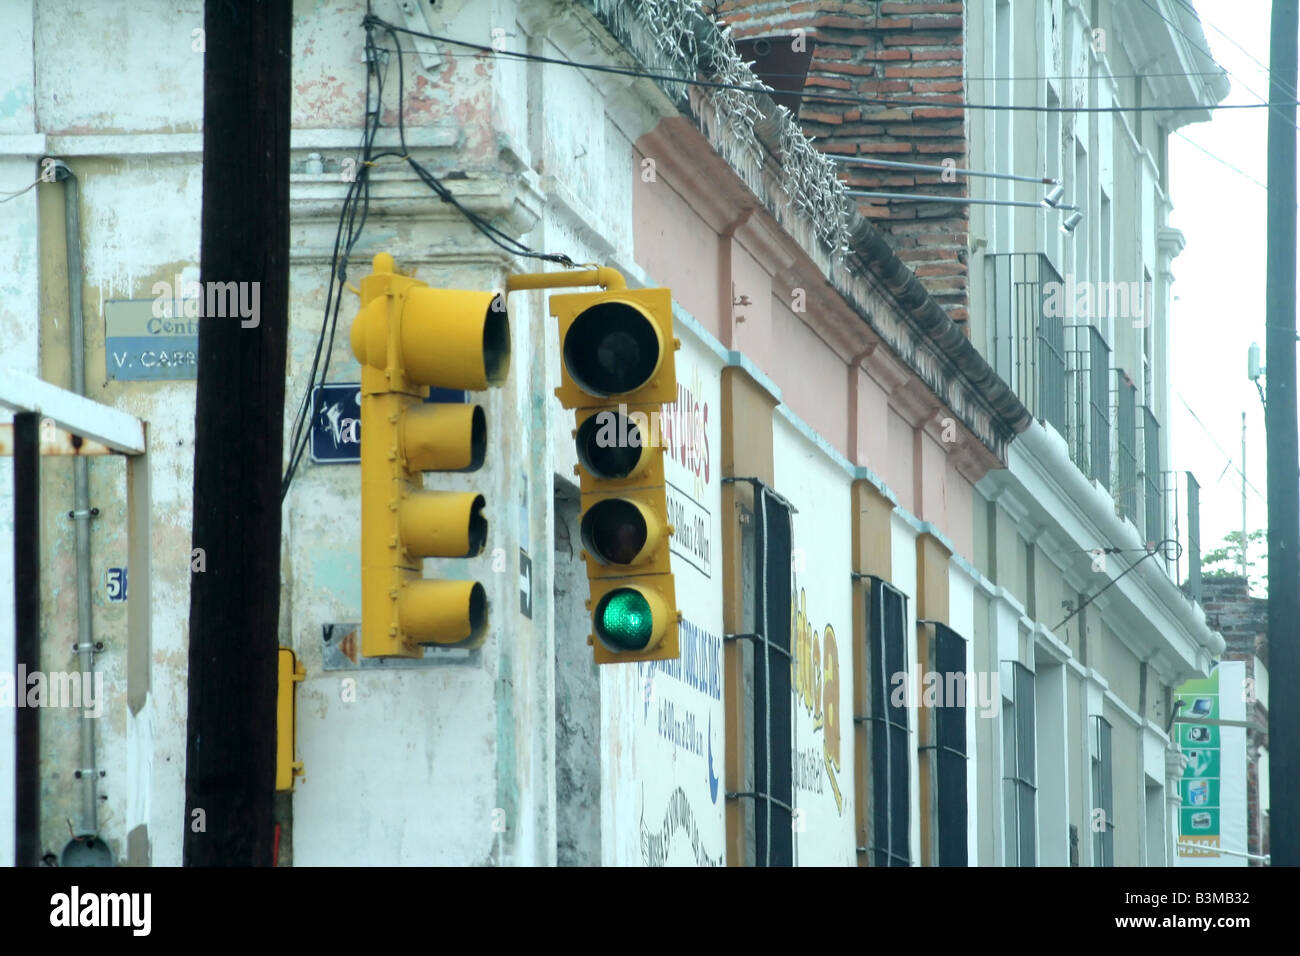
408 337
617 371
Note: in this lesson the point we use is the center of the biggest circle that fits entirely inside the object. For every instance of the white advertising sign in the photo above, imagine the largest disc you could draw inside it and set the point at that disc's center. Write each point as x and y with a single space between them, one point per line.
662 795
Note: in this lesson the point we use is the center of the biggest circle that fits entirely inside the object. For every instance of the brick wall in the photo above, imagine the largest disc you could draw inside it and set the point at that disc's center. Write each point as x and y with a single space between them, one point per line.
877 50
1240 618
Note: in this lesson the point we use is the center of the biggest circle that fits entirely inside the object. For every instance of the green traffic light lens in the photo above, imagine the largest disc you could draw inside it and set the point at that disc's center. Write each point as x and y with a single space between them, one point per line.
624 621
611 349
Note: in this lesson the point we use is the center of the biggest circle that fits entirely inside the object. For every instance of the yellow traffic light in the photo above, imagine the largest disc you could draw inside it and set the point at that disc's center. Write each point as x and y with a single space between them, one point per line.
408 337
618 370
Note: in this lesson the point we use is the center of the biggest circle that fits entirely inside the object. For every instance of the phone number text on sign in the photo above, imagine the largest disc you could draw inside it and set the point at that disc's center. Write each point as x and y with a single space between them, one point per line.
691 539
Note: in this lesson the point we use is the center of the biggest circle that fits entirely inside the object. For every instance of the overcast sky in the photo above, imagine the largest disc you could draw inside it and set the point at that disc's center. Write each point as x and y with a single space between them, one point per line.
1219 278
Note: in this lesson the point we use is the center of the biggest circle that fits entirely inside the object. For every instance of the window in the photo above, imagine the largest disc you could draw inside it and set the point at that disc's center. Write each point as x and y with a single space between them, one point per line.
1105 304
1148 344
1019 791
1001 123
944 745
767 539
888 743
1080 238
1103 812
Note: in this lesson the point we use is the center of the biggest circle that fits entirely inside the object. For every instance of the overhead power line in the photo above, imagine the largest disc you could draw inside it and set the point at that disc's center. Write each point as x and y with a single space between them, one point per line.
1204 49
815 97
1285 87
1220 160
1229 458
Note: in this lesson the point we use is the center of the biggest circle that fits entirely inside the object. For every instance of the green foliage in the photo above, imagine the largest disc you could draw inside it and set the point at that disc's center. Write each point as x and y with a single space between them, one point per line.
1225 561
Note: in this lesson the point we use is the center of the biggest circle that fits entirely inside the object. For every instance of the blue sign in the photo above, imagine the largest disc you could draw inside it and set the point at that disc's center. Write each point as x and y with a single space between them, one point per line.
115 584
336 424
144 341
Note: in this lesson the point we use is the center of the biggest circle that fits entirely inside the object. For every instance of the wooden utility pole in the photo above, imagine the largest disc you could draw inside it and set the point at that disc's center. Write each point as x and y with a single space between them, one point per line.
239 427
1283 447
27 636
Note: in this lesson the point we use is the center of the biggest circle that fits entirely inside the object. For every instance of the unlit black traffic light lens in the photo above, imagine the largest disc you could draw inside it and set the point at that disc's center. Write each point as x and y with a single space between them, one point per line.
609 445
614 531
624 621
611 349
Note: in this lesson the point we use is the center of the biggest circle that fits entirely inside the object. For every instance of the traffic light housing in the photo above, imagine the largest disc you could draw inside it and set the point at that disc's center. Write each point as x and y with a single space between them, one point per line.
407 337
617 371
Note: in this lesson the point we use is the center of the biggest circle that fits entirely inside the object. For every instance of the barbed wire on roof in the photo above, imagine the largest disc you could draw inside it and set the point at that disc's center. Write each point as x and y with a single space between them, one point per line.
687 42
812 183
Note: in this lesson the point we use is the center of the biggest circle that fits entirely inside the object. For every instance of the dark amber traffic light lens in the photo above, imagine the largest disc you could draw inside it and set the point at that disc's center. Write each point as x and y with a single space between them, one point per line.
624 621
614 531
610 445
611 349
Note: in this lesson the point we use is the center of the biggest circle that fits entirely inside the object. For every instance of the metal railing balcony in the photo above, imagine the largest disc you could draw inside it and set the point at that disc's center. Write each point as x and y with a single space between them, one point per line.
1088 402
1125 486
1028 337
1183 498
1153 523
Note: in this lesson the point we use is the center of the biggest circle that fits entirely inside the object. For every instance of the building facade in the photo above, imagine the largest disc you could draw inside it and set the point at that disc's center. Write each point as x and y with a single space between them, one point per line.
1073 314
869 567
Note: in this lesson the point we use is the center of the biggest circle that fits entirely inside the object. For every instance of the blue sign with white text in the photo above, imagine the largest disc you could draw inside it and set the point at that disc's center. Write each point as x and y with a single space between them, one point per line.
336 421
336 424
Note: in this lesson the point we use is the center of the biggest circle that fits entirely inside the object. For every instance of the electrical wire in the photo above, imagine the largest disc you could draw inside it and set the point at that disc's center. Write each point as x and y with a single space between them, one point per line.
1285 87
819 97
1231 463
358 196
1222 161
1202 48
1115 580
830 70
500 238
356 203
16 193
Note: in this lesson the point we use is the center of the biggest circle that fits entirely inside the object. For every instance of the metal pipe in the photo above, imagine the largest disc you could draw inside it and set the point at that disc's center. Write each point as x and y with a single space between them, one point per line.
961 200
952 170
81 499
603 276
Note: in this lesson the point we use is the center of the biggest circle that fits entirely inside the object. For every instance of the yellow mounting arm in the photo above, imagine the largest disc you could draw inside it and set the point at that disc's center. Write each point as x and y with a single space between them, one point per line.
603 276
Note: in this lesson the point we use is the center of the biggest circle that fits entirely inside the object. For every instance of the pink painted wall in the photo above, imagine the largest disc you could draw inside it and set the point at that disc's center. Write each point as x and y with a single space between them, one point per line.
709 272
677 248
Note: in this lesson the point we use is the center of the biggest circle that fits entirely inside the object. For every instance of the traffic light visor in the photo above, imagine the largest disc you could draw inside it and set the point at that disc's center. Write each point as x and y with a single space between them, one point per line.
612 348
455 338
